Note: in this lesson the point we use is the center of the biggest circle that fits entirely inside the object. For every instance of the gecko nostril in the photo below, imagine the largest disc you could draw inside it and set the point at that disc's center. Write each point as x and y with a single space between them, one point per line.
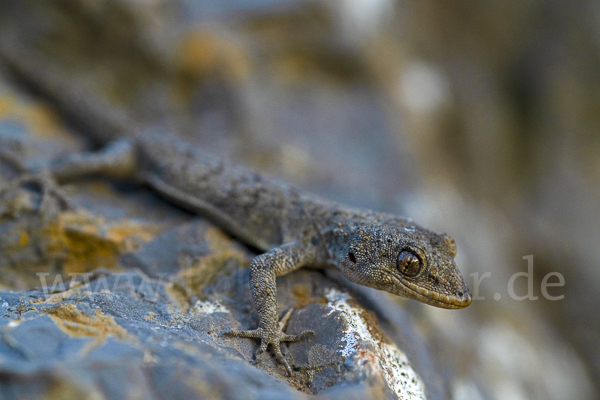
351 257
434 278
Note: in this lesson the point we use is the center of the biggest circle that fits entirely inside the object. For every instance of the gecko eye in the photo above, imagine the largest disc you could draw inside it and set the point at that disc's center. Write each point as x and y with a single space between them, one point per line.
408 263
351 257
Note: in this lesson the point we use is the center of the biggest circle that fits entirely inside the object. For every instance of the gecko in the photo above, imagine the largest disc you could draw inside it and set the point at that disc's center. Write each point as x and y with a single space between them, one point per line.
293 228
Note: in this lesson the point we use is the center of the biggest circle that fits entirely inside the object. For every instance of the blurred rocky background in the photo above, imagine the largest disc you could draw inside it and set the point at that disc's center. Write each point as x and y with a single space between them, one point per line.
479 119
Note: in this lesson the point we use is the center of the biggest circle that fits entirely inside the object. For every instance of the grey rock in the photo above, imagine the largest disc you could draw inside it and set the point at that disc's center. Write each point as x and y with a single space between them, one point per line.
146 320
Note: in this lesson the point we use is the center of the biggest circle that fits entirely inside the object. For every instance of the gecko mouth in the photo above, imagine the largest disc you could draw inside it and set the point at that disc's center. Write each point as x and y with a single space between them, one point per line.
436 299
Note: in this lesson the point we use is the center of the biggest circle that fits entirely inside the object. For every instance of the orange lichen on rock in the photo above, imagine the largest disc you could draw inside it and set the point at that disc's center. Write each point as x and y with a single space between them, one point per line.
65 243
24 239
93 243
304 297
203 52
75 323
6 105
223 259
39 119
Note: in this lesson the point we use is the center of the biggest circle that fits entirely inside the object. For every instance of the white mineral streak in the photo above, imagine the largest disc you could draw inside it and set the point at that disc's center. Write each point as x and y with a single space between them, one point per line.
393 364
208 307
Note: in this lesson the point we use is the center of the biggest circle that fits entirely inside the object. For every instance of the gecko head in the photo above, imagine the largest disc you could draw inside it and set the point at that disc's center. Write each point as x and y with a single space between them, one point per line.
406 260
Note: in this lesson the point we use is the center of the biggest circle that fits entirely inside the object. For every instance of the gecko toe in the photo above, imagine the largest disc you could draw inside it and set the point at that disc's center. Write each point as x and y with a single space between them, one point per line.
295 338
48 187
273 338
253 333
259 353
282 360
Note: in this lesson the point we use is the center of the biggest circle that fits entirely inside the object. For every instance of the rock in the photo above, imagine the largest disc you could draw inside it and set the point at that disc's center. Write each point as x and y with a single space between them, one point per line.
123 343
147 321
121 295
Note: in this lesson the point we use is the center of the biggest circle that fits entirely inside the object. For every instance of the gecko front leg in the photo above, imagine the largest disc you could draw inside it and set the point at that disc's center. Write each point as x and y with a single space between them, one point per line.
263 271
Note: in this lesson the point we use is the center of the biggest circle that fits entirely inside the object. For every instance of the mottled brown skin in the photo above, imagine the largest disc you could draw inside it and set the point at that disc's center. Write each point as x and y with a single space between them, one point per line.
294 228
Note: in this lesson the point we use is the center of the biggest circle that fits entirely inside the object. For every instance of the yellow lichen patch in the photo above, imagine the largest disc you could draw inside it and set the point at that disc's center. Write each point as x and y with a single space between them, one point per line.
6 105
124 231
192 280
24 239
92 243
203 53
223 260
75 323
291 68
179 297
150 316
69 242
218 241
39 119
70 389
85 249
199 53
76 289
304 297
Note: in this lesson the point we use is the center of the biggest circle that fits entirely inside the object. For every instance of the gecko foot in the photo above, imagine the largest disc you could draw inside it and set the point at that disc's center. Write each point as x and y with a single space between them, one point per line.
43 178
46 183
274 337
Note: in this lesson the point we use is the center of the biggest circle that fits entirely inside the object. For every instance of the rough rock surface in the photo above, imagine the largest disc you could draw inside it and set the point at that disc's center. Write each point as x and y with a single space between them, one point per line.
129 335
477 119
109 292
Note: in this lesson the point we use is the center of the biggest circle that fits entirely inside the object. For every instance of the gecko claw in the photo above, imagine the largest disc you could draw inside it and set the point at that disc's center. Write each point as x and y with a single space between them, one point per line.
272 337
282 359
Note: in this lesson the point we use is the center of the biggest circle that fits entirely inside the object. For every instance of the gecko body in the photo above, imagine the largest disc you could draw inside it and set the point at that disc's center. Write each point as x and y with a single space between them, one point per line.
293 228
